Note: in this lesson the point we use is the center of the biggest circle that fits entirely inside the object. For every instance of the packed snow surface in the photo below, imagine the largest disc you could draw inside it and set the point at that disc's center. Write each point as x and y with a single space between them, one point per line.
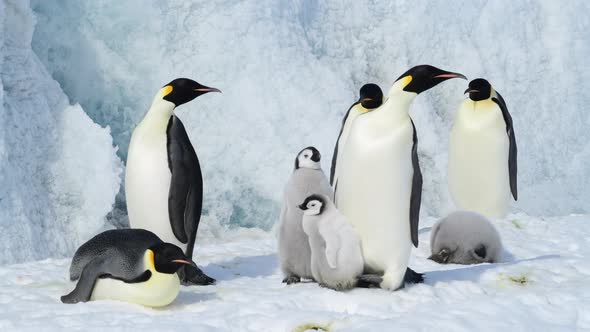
542 286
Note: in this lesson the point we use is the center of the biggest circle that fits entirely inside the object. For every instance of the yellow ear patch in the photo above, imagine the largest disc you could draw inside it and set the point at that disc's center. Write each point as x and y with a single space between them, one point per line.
150 259
406 80
166 90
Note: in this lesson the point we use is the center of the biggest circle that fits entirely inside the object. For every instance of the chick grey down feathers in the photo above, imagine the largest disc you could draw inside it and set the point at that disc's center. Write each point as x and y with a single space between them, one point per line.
465 237
294 252
336 256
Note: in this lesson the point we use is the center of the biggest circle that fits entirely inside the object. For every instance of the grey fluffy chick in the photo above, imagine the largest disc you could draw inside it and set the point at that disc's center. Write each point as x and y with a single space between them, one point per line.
465 237
294 251
336 254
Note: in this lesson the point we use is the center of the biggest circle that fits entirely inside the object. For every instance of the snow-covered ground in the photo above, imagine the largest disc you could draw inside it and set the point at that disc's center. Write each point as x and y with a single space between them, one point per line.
543 285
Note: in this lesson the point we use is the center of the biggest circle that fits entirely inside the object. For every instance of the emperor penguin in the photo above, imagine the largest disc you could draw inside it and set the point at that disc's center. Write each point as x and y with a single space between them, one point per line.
482 153
465 237
380 184
294 251
130 265
336 257
163 181
370 97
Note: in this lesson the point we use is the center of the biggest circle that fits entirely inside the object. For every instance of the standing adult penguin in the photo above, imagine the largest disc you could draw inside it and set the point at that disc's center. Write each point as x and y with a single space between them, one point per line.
370 97
380 183
482 153
131 265
163 181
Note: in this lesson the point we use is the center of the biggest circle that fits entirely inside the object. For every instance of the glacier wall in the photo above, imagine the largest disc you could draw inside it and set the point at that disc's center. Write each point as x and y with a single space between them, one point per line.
290 69
59 172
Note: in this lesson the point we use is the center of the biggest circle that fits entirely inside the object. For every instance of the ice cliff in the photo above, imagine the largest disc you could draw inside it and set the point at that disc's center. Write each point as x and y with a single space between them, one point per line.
288 71
59 172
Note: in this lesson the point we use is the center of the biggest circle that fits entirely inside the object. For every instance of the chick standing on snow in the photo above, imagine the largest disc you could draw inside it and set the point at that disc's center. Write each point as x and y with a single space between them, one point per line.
465 237
336 257
307 178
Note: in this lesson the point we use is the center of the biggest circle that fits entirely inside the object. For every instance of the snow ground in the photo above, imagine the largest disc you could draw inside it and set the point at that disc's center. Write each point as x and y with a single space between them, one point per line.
544 285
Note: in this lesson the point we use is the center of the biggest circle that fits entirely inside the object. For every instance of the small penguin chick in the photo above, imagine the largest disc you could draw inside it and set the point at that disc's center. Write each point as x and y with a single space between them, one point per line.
308 158
307 178
336 257
465 237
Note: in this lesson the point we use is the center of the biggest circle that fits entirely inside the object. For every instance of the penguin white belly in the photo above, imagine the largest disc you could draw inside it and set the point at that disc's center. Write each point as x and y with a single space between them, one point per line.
147 184
478 159
158 291
374 194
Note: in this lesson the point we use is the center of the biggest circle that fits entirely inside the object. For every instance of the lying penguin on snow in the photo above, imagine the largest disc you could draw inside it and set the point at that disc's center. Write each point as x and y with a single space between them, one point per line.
465 237
131 265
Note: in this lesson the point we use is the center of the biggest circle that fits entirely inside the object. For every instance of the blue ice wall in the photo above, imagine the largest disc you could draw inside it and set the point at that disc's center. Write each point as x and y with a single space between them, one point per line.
59 172
290 69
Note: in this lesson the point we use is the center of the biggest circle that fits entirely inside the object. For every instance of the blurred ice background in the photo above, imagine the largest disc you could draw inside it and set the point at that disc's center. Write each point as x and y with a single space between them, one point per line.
288 71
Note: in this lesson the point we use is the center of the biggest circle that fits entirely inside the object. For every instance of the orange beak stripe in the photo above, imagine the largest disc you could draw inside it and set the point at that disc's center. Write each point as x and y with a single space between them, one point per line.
446 76
182 261
207 90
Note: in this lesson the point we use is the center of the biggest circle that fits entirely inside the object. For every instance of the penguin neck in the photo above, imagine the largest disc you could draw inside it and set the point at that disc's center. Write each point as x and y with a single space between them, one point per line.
397 105
159 114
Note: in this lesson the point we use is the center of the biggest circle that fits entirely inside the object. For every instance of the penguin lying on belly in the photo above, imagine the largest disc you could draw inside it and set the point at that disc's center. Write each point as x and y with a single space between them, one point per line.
130 265
465 237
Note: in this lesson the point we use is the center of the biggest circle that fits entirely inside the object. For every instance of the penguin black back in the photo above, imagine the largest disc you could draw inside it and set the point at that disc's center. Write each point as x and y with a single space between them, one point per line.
128 255
132 242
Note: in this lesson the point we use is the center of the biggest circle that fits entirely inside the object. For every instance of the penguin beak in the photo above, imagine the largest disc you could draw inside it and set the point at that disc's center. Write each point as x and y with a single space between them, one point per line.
470 90
206 89
182 261
449 75
302 207
364 100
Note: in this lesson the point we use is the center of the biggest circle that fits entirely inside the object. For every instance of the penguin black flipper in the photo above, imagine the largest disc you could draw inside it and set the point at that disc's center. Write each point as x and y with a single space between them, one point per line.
185 199
416 196
512 151
335 155
117 265
184 210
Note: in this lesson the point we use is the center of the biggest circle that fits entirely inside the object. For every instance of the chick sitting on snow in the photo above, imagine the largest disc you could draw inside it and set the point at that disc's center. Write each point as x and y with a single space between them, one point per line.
336 257
465 237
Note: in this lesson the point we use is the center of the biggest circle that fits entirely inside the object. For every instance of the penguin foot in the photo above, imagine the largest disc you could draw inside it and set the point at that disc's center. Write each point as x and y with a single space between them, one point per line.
291 280
413 277
192 275
71 298
369 281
